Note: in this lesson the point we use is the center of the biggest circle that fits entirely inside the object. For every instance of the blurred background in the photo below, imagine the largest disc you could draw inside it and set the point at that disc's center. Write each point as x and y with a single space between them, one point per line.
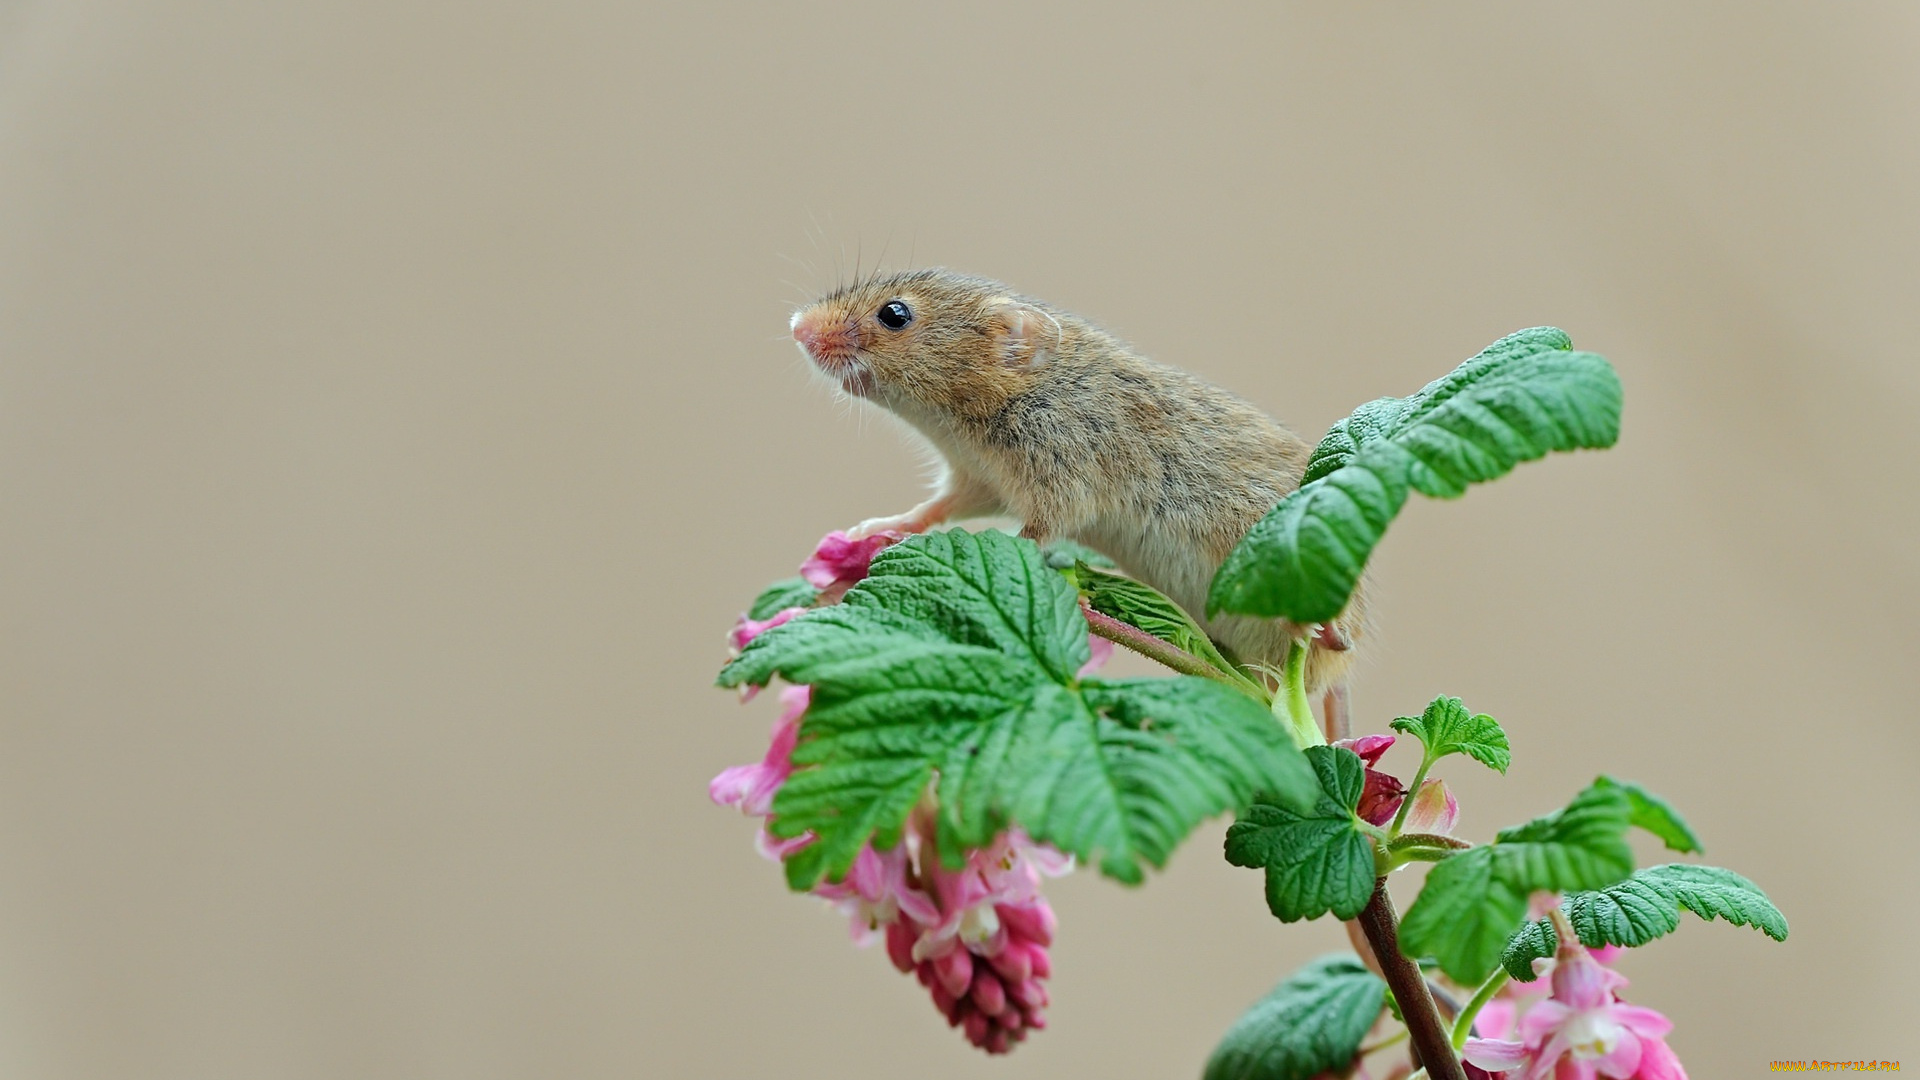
396 409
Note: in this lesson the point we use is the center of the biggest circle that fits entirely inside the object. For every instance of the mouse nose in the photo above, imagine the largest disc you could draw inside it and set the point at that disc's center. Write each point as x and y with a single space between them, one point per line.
820 335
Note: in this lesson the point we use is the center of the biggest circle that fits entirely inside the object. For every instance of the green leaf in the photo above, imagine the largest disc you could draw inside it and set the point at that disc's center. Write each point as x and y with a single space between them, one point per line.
1382 418
1176 752
1062 554
783 594
1473 902
988 589
1316 862
1522 397
1532 941
1625 912
1142 606
1652 813
954 664
1463 915
1305 557
1376 420
1646 906
1311 1024
1447 728
1710 892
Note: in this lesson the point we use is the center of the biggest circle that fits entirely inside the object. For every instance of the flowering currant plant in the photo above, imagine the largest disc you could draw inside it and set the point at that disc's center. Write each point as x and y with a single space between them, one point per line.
945 745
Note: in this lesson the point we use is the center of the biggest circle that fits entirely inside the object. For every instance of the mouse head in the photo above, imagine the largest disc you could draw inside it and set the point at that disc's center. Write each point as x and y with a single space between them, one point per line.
928 340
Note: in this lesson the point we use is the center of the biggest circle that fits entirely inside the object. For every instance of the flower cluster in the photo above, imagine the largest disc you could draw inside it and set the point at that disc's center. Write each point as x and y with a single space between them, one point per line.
1580 1030
980 946
976 937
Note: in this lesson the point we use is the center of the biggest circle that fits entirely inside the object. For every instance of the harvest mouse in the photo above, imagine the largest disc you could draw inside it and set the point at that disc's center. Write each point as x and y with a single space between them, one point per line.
1038 414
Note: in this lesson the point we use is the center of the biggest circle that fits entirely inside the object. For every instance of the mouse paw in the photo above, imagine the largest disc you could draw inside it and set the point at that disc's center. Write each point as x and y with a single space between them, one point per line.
917 520
898 523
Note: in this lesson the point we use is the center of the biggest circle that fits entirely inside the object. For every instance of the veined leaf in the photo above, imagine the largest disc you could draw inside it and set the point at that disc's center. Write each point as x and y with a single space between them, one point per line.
1646 906
1473 902
1447 728
1316 862
1310 1025
1522 397
1307 554
1532 941
954 664
1142 606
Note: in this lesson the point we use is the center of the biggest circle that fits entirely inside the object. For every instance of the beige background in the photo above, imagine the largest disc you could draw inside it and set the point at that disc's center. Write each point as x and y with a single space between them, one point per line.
395 410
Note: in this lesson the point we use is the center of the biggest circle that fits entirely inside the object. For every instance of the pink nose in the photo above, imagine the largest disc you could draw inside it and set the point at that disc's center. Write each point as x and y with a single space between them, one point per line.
820 336
806 333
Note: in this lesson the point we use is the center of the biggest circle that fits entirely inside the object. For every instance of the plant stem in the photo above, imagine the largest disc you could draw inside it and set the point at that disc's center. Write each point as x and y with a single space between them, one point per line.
1160 651
1463 1024
1431 1040
1412 853
1293 696
1413 789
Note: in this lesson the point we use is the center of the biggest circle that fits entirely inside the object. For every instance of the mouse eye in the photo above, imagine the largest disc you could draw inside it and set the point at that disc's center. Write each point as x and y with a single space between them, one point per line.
893 314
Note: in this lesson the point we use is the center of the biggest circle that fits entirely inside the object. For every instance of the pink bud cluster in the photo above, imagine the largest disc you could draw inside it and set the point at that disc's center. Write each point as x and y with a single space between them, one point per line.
982 953
1434 809
1381 796
976 937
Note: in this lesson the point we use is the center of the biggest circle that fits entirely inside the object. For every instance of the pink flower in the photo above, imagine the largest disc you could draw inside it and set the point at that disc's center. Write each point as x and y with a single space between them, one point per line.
1102 651
747 629
983 954
1006 872
1380 799
1369 747
1434 810
1658 1062
1583 1031
1498 1018
750 788
1606 954
876 891
842 561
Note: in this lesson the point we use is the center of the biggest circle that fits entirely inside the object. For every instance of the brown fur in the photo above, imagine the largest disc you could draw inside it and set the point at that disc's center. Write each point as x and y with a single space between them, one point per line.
1041 415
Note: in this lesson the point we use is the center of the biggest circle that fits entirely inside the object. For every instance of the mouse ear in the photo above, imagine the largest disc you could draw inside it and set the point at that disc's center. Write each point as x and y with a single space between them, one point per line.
1028 336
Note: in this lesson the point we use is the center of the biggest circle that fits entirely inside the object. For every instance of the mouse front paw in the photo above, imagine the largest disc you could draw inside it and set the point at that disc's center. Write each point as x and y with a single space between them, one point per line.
898 523
934 511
